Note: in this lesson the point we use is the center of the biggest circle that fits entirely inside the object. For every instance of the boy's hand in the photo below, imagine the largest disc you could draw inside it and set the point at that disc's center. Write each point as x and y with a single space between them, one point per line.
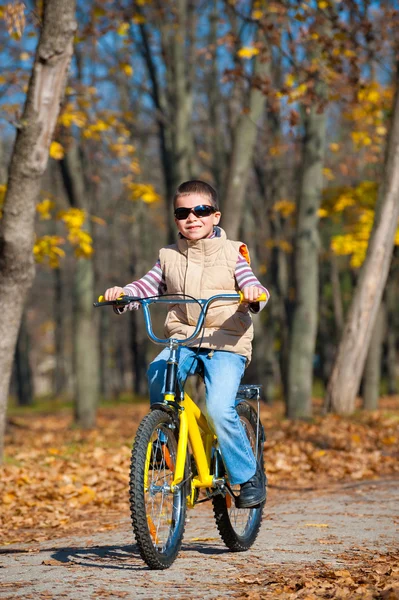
251 294
113 293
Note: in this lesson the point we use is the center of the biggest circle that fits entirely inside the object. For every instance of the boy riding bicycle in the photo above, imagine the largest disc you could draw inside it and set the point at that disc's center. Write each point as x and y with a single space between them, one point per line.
201 264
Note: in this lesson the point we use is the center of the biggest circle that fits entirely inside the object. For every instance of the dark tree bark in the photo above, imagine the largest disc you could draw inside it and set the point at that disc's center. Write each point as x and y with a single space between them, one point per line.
28 163
23 371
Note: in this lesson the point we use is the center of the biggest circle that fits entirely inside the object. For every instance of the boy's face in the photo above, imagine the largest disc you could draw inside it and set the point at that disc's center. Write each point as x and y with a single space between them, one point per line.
196 228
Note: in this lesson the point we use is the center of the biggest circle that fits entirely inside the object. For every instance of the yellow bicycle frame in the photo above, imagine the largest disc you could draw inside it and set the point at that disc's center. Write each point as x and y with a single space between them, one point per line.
194 428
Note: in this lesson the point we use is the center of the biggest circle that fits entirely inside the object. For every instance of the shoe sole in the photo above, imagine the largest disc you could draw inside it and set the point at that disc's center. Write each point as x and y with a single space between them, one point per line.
253 504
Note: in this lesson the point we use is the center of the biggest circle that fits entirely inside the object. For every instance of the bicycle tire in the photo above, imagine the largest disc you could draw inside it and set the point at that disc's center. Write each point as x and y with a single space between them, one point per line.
239 528
158 515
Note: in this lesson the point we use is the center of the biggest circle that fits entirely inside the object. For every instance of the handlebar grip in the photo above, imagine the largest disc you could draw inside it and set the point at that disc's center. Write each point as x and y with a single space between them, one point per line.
102 302
262 297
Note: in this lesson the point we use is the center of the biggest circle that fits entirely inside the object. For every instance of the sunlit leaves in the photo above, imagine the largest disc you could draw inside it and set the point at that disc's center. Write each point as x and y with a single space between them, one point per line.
71 115
142 191
247 52
368 116
126 69
354 209
74 219
44 209
56 151
284 207
47 249
122 29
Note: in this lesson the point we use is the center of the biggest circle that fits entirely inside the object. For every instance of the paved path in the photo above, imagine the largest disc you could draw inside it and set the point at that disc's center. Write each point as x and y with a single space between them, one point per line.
296 531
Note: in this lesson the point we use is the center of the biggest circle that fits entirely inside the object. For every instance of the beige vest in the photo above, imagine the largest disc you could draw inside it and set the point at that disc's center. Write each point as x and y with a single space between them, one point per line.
202 269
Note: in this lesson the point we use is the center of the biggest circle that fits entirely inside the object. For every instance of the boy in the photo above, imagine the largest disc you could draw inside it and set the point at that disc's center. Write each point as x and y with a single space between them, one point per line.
201 264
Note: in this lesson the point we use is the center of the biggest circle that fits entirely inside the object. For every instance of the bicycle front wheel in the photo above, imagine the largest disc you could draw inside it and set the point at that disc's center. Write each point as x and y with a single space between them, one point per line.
158 515
239 527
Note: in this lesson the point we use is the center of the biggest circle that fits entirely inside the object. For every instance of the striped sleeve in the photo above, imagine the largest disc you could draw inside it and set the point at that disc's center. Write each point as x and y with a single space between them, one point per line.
152 284
245 278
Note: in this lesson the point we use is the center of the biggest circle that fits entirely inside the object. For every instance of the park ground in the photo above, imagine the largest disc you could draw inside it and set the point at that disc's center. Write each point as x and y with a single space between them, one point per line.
330 526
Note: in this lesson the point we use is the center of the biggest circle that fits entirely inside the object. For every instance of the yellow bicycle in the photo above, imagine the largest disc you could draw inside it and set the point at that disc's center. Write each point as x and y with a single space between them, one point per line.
175 455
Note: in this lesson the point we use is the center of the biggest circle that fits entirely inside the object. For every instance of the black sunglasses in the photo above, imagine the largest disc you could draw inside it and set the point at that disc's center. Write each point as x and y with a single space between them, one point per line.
202 210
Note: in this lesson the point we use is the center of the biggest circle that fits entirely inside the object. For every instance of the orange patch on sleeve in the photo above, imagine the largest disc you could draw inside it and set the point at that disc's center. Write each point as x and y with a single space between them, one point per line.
245 253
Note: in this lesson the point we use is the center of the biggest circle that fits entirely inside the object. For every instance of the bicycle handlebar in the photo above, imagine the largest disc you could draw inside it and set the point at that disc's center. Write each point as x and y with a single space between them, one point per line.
146 302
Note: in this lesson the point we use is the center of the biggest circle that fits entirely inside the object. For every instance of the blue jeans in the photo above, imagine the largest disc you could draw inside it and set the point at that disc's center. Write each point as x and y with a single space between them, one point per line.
222 372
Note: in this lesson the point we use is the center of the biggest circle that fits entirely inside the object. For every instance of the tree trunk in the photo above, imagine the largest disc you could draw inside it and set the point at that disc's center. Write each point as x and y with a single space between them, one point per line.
349 363
372 371
138 334
392 333
86 344
304 322
336 294
59 333
245 134
23 371
28 163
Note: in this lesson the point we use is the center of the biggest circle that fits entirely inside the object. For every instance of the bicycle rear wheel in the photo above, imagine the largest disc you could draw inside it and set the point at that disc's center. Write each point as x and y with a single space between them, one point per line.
237 527
158 515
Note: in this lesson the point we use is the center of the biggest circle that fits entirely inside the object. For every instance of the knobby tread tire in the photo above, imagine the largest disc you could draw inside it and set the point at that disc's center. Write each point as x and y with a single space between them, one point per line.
154 558
234 541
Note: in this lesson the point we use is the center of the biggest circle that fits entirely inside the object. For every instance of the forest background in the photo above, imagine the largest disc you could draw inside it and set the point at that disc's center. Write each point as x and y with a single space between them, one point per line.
288 108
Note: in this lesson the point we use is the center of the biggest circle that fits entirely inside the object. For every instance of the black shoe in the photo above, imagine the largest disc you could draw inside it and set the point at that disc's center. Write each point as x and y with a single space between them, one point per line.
253 491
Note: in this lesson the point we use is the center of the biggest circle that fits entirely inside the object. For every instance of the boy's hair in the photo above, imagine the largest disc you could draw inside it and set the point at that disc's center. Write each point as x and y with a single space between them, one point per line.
195 186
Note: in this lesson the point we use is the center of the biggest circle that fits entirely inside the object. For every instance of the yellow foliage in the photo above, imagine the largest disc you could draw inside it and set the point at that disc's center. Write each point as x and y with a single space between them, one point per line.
290 80
285 246
328 174
44 207
138 19
361 138
257 14
47 249
143 191
297 93
322 4
71 116
126 68
334 147
247 52
368 115
82 241
123 29
56 151
284 207
73 218
355 206
343 201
